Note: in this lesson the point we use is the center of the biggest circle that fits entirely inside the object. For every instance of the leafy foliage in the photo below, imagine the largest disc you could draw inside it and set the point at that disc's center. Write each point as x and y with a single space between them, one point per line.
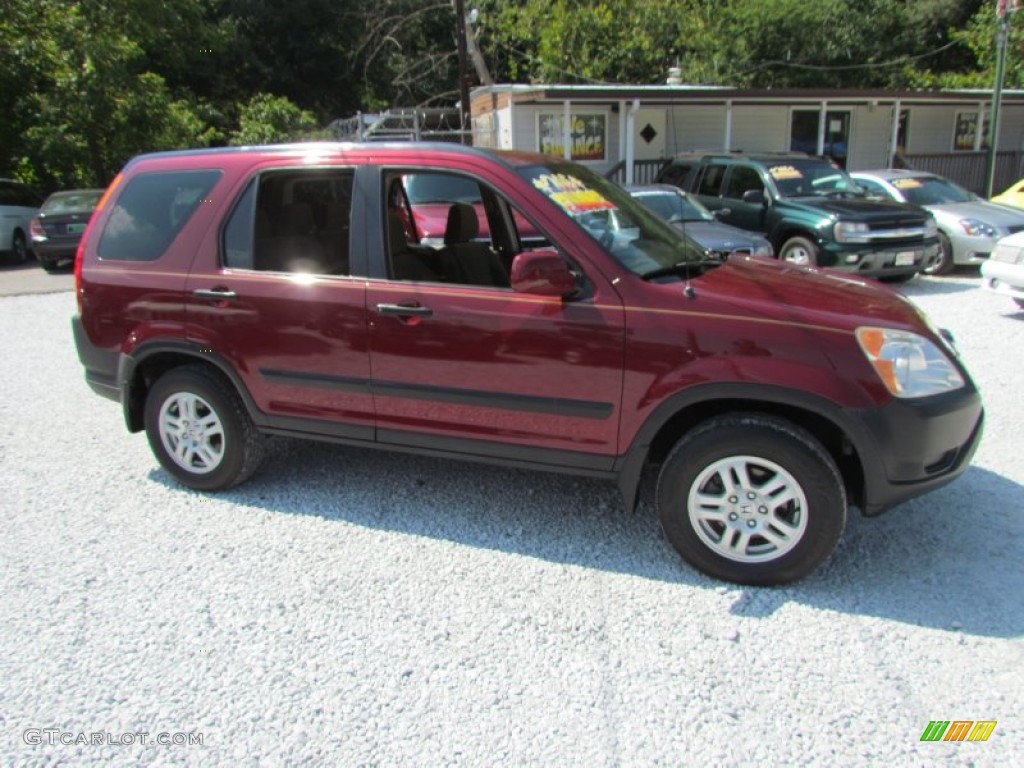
88 84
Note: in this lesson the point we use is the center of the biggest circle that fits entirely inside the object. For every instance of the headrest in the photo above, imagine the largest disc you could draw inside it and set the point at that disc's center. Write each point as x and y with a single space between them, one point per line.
462 224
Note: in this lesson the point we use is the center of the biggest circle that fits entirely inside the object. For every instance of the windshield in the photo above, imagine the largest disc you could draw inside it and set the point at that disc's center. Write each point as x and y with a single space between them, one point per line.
798 177
72 202
931 190
674 206
633 235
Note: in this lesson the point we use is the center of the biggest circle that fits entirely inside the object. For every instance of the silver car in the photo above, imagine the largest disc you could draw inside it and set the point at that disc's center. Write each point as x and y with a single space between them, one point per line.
968 226
1004 272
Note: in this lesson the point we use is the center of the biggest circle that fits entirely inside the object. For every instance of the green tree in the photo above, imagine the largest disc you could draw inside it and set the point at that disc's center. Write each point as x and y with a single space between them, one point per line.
268 119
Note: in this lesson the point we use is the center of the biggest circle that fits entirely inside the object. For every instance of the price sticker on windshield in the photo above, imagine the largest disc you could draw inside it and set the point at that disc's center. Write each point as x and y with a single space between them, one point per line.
906 183
783 172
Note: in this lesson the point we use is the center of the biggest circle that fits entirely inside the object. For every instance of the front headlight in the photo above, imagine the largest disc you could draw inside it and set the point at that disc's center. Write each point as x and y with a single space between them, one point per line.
978 228
851 232
908 364
931 229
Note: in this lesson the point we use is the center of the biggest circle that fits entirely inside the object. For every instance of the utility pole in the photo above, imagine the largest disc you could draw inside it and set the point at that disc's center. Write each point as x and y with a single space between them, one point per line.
460 27
1003 10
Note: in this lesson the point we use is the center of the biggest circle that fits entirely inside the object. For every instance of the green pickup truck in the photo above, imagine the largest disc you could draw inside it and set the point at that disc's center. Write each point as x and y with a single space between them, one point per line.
810 210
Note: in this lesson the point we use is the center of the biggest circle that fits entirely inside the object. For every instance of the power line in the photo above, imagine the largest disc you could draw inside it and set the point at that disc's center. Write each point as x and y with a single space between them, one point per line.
840 67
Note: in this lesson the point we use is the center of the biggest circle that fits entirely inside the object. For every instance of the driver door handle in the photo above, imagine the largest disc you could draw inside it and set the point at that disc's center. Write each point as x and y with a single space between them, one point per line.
404 310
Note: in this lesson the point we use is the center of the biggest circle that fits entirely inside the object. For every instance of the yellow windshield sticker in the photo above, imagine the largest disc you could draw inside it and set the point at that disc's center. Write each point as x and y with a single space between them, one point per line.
783 172
906 183
571 194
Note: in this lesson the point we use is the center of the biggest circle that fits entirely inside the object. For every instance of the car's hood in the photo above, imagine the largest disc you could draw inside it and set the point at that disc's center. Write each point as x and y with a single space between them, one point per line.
717 236
776 290
856 209
990 213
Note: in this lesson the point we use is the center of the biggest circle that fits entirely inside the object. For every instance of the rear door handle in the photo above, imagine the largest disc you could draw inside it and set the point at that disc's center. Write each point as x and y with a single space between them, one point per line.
404 310
215 294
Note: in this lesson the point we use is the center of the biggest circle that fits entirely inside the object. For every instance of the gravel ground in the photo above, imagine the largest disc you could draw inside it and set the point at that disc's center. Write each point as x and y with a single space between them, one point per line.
351 607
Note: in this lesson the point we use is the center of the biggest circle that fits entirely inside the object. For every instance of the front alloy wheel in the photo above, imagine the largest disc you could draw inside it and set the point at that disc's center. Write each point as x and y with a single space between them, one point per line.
799 250
747 509
751 498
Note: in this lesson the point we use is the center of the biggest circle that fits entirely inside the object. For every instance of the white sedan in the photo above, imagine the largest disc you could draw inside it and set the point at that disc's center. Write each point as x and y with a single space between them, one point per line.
1004 271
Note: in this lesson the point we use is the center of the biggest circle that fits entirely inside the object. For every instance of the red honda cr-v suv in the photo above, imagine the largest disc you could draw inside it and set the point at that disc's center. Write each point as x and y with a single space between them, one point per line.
227 295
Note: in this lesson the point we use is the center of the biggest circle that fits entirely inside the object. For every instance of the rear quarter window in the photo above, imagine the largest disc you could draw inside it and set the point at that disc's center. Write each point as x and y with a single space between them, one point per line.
151 211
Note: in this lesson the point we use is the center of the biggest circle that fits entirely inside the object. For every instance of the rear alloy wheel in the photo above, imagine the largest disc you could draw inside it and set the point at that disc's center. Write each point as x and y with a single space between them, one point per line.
19 248
751 499
943 265
199 430
799 250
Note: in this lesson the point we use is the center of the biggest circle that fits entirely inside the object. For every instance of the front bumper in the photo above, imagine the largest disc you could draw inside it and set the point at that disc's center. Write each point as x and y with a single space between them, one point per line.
1004 277
872 260
911 447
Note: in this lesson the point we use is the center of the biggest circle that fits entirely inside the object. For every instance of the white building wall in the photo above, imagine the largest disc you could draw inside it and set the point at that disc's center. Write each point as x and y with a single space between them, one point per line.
760 128
930 129
1011 128
870 131
696 126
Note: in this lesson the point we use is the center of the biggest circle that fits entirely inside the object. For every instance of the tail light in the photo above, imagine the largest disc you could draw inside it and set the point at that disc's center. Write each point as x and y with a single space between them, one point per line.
35 229
80 252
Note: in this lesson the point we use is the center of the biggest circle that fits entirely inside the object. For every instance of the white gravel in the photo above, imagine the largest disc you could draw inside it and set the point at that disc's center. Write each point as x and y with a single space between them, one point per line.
351 607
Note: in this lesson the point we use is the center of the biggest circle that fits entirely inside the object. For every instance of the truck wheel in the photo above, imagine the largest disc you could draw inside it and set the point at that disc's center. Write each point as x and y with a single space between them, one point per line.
799 250
751 499
199 429
943 265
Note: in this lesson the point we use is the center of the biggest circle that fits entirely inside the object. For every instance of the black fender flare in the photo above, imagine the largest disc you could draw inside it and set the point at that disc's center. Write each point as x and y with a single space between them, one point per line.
629 467
128 363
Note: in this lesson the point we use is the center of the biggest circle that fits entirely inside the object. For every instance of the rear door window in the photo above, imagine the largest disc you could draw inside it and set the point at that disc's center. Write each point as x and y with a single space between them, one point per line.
292 220
711 181
151 211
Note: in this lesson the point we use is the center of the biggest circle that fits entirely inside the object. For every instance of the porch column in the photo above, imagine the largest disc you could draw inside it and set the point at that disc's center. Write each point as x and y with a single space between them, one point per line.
566 131
822 116
979 132
622 130
631 139
894 134
728 125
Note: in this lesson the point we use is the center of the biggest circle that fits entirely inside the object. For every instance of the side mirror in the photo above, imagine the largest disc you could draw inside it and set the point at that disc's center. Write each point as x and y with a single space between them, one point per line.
754 197
543 273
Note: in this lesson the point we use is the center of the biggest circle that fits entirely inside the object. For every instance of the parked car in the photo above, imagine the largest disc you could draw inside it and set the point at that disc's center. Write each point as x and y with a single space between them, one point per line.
58 227
230 294
18 204
1004 271
690 217
968 226
810 210
1013 196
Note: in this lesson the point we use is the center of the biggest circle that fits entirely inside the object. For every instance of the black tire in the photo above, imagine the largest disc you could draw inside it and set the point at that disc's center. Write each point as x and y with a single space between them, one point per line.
904 278
763 445
19 248
234 443
1019 303
50 265
944 264
799 250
